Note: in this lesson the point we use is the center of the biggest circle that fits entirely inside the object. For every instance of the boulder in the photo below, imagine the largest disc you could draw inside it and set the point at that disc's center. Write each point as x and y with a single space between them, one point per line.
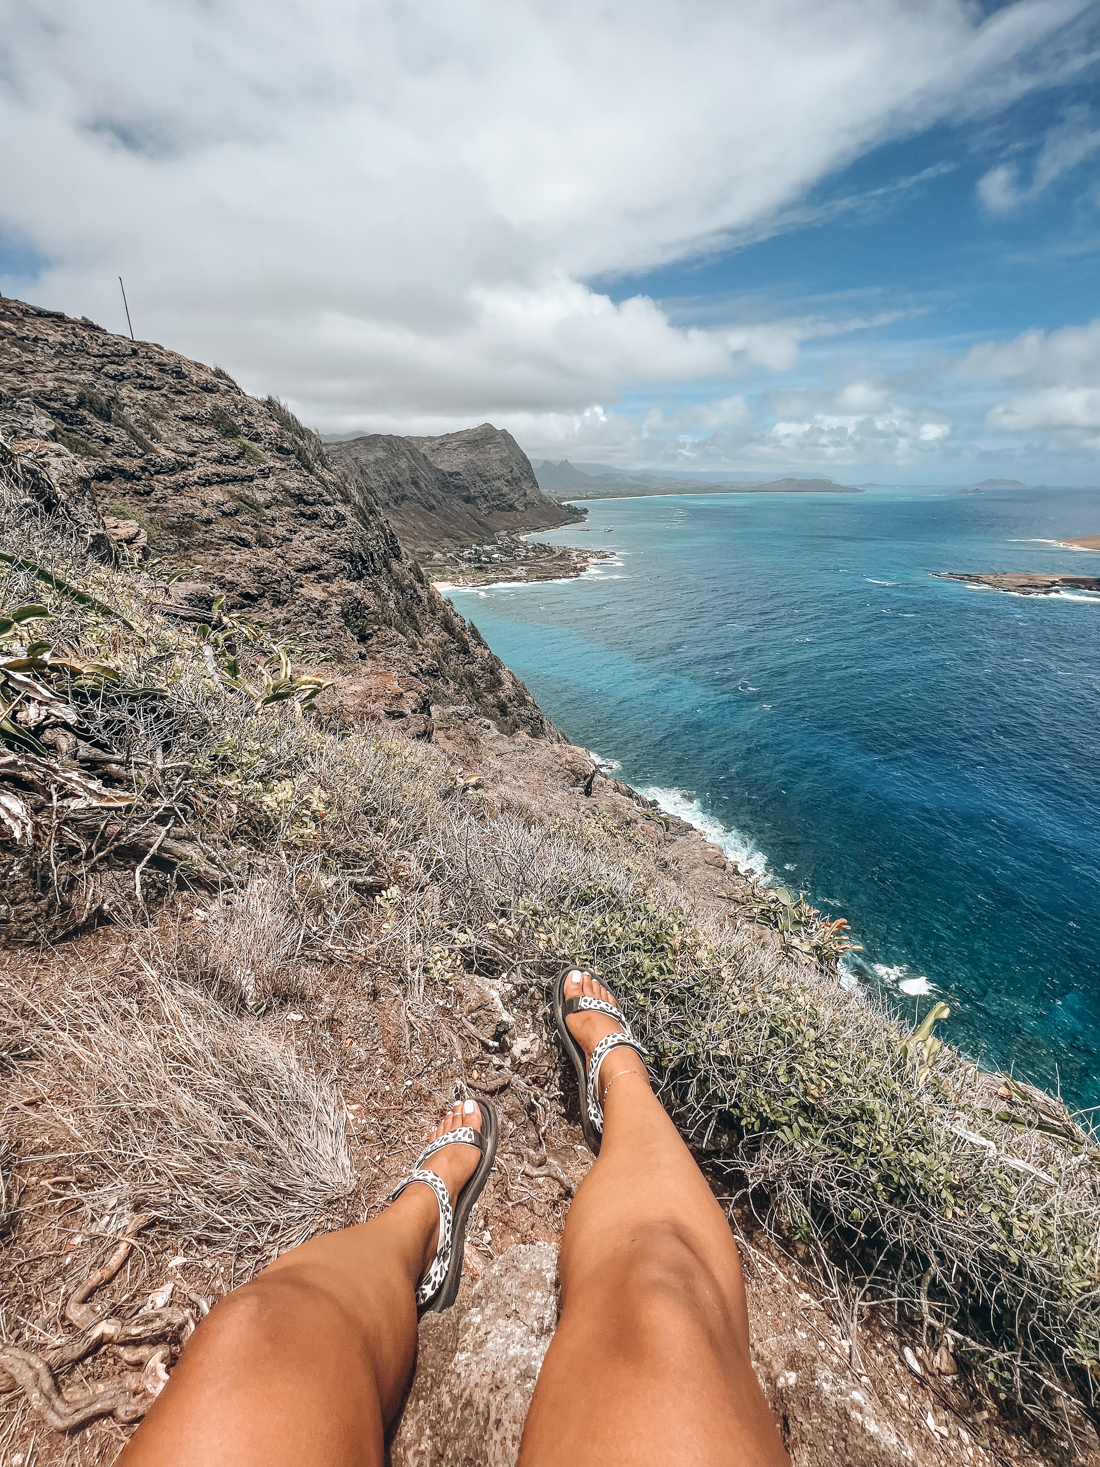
477 1365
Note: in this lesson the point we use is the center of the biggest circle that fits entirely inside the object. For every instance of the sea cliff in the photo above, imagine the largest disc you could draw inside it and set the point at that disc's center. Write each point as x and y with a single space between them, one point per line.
289 860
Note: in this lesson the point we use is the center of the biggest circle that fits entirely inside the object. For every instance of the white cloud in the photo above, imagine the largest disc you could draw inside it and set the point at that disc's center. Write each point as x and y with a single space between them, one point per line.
387 210
1072 142
1070 354
1058 372
1051 408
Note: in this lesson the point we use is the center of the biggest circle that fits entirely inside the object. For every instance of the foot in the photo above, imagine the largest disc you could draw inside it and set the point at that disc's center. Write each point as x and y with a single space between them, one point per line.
453 1165
589 1026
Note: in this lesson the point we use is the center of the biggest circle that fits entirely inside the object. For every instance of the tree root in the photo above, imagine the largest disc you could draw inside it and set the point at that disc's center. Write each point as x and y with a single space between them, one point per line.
148 1340
35 1378
544 1168
77 1308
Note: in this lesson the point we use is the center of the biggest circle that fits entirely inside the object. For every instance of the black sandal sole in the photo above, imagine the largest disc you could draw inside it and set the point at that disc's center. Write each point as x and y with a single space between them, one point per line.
448 1289
592 1137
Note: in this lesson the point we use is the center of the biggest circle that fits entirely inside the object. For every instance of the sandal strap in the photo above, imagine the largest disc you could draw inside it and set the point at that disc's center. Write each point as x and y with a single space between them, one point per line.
465 1135
596 1005
430 1284
609 1042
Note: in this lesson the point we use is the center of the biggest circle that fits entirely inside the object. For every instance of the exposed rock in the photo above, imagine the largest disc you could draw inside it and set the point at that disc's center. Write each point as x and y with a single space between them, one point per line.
240 493
129 534
42 477
824 1414
478 1363
461 487
377 697
1023 583
477 1366
486 466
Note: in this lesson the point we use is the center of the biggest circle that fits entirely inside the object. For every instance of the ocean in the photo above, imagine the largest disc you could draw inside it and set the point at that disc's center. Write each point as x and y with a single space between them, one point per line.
919 756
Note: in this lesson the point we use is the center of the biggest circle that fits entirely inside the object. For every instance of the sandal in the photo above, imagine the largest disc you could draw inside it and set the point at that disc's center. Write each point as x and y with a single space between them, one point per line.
588 1074
438 1288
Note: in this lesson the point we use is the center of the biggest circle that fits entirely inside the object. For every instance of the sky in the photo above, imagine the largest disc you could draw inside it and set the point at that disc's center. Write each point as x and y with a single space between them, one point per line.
851 238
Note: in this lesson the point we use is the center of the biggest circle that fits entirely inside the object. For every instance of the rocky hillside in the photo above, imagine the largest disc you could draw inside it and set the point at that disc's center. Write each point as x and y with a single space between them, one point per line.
462 487
170 459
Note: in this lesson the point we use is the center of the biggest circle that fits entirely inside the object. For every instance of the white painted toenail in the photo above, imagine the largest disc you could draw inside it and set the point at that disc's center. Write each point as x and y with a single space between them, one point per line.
469 1108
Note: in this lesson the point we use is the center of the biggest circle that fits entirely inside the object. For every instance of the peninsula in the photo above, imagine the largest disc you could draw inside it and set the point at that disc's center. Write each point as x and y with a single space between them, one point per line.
1083 542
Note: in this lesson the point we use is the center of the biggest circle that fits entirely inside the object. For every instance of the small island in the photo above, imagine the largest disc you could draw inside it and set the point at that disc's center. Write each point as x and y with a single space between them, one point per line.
1083 542
1024 583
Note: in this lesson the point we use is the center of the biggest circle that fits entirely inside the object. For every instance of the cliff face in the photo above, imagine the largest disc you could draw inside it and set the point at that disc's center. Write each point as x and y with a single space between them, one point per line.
242 495
459 487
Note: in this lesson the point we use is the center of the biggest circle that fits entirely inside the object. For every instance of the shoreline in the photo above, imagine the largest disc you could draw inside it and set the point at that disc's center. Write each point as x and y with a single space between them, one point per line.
559 563
1082 542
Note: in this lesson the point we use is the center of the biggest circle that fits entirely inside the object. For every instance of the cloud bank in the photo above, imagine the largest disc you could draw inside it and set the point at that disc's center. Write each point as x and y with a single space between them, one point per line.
391 212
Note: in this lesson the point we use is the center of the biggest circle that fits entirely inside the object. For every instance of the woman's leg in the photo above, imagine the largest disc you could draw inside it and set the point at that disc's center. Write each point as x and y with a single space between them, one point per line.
308 1364
650 1362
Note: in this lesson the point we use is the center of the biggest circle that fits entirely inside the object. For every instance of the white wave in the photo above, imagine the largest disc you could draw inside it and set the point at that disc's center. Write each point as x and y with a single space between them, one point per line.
898 977
888 974
749 860
915 985
1077 596
881 583
606 766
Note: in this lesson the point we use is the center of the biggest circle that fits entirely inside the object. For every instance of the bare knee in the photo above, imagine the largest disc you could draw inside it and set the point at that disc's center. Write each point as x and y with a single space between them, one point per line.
660 1262
255 1318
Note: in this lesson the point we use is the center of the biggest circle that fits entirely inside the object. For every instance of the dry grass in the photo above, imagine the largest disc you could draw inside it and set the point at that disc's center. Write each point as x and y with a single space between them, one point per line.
159 1102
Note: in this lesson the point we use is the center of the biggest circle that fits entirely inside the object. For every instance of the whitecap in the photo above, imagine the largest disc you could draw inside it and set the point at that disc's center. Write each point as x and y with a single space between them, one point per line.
915 985
605 766
898 976
888 974
748 859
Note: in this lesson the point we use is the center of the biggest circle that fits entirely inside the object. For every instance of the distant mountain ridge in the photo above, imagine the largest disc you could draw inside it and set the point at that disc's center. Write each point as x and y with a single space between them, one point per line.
993 484
565 481
463 486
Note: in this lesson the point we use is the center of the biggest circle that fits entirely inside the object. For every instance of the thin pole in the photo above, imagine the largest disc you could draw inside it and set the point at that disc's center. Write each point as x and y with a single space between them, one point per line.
128 321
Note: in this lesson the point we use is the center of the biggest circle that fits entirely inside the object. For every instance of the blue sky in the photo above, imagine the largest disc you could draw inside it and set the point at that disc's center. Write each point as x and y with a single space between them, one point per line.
847 237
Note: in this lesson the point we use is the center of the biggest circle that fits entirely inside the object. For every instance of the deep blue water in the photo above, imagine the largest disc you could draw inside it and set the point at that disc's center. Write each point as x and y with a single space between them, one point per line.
922 757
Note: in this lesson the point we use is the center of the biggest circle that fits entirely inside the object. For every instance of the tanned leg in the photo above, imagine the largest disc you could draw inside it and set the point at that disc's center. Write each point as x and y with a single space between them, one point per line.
307 1365
650 1362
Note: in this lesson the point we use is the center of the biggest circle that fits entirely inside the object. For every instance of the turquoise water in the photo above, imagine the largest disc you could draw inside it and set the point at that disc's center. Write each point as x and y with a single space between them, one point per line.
919 755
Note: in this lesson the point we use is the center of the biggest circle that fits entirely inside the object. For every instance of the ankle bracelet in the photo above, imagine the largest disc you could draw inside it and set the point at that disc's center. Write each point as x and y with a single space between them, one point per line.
617 1076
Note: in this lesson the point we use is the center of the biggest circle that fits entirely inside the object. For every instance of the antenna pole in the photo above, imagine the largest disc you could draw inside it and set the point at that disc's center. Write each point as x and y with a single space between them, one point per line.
128 321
